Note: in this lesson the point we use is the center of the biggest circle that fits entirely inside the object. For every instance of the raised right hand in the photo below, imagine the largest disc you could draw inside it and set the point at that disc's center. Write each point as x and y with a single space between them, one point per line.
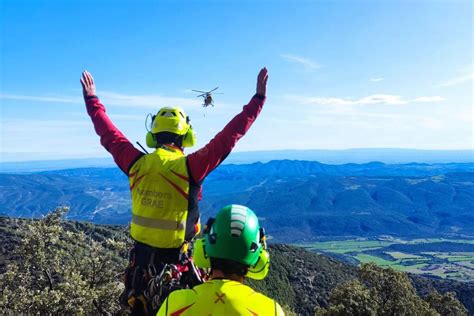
88 85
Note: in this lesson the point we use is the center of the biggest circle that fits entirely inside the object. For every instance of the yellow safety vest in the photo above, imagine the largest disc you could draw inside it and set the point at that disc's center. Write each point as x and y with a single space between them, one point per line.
219 297
159 184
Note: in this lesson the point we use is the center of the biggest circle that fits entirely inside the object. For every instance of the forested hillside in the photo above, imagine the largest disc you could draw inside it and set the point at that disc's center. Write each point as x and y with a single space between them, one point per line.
300 280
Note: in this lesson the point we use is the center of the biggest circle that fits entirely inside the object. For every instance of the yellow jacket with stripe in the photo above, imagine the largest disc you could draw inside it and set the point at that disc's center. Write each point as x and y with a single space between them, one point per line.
219 297
151 190
160 188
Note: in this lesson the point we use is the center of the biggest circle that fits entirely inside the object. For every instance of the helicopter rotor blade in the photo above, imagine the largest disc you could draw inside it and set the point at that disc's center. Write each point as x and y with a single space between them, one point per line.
214 89
202 95
199 91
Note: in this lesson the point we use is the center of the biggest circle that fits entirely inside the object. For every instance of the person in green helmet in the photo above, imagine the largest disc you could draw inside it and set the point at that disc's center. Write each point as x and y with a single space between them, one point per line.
233 247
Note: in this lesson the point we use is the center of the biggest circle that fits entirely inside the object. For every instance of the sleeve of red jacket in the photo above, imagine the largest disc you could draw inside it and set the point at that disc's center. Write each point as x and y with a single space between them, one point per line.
206 159
111 138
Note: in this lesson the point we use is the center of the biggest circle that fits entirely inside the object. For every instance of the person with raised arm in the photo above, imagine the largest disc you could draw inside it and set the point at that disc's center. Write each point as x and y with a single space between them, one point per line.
165 185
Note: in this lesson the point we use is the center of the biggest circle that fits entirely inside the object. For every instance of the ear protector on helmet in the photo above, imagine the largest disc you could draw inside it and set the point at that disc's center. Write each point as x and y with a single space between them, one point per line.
260 270
189 138
200 257
257 272
150 138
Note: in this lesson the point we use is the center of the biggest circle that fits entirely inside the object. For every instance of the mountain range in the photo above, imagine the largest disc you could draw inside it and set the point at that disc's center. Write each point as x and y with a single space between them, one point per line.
297 201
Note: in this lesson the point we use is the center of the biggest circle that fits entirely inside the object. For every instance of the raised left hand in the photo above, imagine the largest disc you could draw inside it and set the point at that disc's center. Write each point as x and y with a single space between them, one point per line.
262 81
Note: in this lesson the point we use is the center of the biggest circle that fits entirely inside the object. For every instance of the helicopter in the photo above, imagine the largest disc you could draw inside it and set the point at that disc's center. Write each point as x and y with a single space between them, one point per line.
207 97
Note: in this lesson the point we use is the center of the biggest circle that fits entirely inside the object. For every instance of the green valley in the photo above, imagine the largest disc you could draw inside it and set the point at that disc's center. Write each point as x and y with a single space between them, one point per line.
437 257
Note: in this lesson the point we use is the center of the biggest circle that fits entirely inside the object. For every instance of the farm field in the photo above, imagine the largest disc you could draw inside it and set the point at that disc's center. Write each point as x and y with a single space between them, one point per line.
435 257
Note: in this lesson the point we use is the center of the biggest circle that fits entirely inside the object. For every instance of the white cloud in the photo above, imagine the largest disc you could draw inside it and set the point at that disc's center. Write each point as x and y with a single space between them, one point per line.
429 99
126 117
146 100
307 63
384 99
112 98
381 99
13 126
457 80
465 75
49 135
376 79
58 99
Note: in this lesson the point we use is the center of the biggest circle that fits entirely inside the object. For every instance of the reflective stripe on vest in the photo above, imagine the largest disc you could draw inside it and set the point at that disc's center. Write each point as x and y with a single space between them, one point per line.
159 184
157 223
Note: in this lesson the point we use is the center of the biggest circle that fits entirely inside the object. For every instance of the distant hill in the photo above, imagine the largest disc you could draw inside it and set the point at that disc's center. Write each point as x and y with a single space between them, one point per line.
301 200
99 195
296 200
359 156
293 168
356 155
45 165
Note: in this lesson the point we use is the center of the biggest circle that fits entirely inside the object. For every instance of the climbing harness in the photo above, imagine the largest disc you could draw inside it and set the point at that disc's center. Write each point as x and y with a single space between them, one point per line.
152 274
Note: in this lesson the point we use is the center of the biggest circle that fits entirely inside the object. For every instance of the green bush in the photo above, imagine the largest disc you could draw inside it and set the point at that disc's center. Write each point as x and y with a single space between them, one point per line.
59 271
447 304
379 291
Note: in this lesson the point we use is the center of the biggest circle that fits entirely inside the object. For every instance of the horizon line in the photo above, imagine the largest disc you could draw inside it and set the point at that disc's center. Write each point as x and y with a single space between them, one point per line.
259 151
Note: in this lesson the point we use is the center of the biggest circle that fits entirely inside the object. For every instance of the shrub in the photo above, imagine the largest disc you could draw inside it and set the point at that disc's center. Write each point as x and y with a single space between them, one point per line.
379 291
57 271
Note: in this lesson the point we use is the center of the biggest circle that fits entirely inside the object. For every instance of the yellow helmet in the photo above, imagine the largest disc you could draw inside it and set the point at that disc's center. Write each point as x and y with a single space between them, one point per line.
172 120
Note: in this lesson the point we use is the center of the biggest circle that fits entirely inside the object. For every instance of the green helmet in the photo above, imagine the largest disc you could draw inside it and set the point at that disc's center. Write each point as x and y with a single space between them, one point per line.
235 234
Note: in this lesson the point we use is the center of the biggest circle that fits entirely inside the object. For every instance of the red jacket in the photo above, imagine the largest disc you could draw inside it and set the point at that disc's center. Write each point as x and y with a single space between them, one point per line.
200 163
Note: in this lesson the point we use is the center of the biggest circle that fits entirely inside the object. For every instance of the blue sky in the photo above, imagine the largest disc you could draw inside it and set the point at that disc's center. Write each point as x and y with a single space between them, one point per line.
343 74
